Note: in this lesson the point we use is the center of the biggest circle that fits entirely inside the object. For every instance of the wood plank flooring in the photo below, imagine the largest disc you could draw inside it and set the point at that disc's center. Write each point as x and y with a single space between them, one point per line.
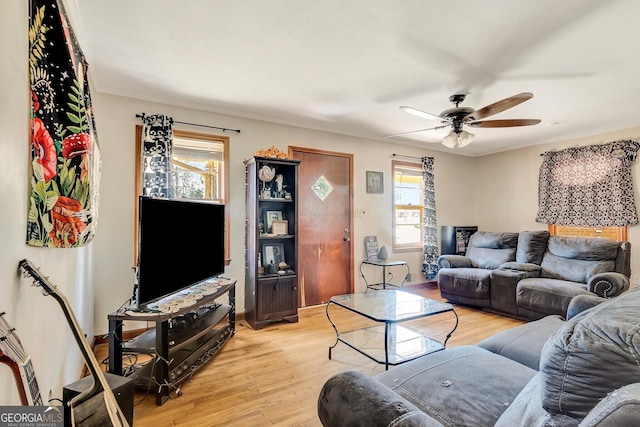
272 377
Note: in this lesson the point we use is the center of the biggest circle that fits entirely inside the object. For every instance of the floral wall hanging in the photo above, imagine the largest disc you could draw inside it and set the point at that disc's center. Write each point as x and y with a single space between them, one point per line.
64 147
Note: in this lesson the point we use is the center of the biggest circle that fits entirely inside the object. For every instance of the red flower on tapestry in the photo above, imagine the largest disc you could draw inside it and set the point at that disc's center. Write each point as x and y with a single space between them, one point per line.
75 145
34 101
67 224
45 150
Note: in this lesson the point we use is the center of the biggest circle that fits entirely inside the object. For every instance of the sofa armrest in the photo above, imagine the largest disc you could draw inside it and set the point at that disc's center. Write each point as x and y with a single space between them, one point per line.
609 284
580 303
527 267
354 399
621 407
454 261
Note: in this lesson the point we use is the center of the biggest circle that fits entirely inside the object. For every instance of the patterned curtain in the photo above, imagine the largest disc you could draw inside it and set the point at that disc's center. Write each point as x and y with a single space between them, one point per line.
65 156
430 244
588 186
157 140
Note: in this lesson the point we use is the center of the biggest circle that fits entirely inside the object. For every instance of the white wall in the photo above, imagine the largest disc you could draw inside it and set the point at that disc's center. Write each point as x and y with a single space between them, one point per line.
39 321
116 121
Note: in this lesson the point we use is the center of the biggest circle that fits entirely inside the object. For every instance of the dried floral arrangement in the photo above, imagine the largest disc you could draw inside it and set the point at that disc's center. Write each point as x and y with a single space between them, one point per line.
272 152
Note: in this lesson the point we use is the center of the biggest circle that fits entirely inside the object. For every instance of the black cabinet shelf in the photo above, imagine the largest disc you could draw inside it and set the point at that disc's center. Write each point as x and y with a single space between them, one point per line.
270 295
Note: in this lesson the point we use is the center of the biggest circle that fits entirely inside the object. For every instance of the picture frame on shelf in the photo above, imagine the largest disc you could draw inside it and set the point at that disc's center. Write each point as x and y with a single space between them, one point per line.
271 216
273 253
375 182
371 248
280 228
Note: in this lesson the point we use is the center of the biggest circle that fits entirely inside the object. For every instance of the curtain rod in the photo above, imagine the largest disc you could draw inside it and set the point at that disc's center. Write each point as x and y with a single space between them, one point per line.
143 115
407 157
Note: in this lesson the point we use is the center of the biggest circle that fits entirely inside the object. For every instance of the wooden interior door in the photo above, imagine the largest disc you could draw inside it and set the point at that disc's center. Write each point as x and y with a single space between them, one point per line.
325 221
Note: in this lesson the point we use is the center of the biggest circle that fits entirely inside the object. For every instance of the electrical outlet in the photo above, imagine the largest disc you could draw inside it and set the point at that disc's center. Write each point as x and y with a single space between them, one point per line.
408 279
636 280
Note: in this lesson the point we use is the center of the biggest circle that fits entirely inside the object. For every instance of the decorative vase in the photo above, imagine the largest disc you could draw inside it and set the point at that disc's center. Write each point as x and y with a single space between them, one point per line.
382 254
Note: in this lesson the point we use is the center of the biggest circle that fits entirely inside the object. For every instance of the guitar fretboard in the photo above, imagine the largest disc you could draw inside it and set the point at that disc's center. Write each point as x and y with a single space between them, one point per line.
20 362
29 378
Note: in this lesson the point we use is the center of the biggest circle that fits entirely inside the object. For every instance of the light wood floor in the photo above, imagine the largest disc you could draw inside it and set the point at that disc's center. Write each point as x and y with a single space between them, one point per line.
272 377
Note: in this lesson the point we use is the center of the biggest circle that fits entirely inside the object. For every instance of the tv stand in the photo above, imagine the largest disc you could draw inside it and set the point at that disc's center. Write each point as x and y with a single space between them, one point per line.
190 328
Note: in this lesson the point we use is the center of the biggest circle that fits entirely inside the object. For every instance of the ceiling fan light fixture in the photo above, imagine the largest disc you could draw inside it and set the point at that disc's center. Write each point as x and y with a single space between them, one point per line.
450 140
458 116
465 138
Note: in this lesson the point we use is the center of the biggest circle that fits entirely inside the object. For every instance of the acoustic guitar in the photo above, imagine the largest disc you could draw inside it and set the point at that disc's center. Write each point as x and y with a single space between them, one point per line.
13 355
96 406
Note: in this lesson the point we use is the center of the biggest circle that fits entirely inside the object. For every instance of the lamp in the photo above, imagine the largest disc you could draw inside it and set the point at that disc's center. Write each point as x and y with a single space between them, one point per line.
465 138
450 140
460 138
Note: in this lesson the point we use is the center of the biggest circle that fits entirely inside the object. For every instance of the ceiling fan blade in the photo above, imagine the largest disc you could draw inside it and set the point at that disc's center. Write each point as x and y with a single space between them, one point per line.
504 123
499 106
422 114
416 131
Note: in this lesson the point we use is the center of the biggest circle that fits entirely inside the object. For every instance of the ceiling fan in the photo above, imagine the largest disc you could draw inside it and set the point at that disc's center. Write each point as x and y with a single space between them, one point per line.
459 116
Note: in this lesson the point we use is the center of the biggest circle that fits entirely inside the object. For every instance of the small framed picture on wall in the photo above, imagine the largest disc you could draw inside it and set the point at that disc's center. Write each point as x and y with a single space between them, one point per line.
375 184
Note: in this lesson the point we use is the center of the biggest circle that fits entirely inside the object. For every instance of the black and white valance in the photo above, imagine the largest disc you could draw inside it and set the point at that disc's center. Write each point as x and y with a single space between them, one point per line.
588 186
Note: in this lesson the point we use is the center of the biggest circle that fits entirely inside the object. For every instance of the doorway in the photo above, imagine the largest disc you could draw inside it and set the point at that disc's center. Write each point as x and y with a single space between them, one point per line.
325 223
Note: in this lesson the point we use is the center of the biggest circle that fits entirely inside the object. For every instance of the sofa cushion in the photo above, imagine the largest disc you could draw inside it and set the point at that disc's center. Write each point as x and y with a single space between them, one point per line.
524 343
592 355
532 246
354 399
578 258
453 386
548 296
527 411
490 250
466 282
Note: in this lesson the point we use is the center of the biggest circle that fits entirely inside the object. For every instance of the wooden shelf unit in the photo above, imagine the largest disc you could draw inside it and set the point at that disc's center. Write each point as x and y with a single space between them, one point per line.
271 296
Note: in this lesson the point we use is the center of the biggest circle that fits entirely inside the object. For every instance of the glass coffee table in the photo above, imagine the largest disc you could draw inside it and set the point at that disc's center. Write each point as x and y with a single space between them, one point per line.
390 343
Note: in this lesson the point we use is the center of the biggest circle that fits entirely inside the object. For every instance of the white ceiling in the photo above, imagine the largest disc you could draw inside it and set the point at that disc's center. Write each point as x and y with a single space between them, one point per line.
345 66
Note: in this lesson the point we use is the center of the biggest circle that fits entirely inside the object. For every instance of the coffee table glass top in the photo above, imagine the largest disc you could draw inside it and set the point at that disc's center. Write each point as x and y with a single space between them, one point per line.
390 305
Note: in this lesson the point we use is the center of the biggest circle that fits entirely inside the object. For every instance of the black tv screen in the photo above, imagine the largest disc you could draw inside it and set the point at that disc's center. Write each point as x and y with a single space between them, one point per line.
180 243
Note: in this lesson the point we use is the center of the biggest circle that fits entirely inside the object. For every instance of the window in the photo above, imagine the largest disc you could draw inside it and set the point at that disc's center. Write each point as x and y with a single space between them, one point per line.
198 169
408 205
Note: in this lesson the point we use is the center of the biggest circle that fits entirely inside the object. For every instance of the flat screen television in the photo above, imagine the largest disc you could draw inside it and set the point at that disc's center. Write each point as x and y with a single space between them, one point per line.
180 243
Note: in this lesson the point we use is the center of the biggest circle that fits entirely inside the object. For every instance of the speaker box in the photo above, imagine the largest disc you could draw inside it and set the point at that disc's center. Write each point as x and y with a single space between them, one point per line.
122 389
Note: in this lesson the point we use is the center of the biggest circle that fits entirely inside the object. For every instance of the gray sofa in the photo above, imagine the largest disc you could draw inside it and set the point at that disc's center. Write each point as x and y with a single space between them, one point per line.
581 372
530 275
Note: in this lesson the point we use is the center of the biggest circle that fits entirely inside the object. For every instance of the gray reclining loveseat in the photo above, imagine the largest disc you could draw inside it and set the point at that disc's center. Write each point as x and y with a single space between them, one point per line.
530 274
583 372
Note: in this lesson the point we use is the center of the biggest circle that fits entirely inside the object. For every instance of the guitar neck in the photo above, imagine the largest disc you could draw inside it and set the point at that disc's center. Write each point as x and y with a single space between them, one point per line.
100 385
